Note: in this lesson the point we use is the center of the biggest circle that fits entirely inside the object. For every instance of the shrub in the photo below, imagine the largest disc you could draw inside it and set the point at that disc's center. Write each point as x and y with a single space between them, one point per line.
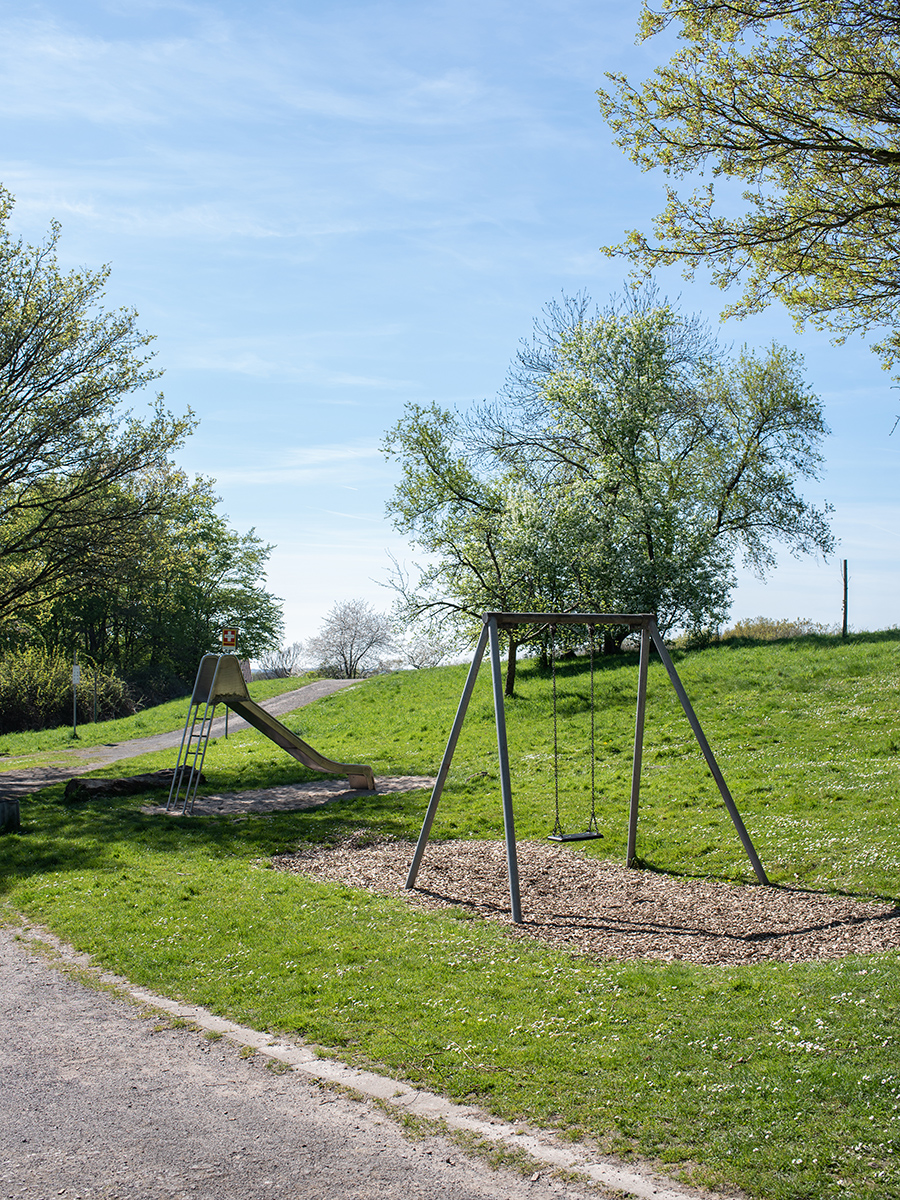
765 629
36 692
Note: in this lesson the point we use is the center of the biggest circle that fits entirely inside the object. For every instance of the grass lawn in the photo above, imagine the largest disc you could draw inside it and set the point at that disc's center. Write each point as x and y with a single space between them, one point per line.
781 1079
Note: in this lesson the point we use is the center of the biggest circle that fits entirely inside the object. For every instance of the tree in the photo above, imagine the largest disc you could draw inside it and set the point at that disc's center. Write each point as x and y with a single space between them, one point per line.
282 663
625 464
185 576
67 450
491 544
423 649
798 100
347 644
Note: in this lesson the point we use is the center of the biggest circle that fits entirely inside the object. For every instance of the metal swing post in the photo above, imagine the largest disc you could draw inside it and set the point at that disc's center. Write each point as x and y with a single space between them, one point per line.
512 863
447 759
631 852
708 754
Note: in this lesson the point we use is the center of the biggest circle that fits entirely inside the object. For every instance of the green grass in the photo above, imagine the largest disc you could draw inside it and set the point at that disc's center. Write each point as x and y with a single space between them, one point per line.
780 1079
146 723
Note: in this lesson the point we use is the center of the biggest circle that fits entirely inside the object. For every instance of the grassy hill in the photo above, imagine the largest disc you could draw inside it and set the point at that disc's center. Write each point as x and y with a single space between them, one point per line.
778 1078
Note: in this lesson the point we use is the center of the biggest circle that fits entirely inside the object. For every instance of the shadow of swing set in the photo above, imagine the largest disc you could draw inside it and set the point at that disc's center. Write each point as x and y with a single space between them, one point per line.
493 623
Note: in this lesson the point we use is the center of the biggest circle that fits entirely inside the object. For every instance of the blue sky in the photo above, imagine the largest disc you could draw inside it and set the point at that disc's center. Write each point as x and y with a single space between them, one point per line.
324 213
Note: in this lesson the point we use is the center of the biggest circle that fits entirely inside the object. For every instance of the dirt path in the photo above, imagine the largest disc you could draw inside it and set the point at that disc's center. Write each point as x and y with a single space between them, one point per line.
20 783
101 1099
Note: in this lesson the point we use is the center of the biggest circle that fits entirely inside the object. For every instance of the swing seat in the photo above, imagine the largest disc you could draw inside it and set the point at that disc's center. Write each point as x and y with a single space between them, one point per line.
573 837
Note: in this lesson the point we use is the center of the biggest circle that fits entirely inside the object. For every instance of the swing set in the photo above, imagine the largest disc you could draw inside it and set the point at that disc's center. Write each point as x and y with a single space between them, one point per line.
493 623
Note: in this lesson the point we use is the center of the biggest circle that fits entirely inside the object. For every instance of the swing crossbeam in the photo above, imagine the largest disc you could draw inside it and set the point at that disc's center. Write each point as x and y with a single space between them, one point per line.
490 636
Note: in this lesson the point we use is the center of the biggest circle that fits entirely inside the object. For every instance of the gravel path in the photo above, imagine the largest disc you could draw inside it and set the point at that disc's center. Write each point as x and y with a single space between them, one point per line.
101 1099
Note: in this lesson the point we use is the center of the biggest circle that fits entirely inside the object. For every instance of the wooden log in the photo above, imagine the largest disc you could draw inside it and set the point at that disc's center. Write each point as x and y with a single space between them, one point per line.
80 789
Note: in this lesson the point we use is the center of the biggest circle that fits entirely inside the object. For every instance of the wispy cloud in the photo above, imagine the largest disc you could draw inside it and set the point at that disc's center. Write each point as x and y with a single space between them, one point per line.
332 464
285 361
231 68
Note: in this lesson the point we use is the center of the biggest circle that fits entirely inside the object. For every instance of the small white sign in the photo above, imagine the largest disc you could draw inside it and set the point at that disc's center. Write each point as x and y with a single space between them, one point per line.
76 675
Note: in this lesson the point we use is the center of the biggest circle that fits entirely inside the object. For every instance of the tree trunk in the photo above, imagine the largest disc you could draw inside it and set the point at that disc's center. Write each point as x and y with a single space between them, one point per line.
509 689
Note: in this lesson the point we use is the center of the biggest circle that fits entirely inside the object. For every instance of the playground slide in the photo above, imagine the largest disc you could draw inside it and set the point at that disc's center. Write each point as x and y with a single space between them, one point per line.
220 681
358 776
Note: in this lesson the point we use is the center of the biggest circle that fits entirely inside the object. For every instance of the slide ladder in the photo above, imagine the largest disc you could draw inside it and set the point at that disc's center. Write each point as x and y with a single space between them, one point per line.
194 741
220 681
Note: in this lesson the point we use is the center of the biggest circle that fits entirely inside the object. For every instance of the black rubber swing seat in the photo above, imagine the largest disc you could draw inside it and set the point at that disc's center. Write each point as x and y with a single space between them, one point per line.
573 837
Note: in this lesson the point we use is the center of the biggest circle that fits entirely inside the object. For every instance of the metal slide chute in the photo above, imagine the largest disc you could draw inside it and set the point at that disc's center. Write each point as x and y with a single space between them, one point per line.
220 681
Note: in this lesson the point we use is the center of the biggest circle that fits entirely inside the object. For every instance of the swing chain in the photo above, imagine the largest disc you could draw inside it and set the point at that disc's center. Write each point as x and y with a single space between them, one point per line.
592 830
557 828
592 823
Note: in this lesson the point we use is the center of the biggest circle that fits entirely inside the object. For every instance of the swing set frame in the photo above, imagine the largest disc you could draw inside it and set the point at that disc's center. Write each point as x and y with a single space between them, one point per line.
493 623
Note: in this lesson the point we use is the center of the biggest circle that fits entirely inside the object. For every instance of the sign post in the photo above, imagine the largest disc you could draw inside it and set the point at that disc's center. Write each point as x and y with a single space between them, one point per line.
76 679
229 643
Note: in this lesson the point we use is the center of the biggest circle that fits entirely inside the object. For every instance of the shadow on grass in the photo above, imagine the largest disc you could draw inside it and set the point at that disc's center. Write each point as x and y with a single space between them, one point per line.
61 837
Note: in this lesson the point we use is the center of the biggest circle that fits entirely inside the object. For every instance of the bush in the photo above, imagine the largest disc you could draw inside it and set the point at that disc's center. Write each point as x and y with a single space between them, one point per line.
36 692
764 629
283 663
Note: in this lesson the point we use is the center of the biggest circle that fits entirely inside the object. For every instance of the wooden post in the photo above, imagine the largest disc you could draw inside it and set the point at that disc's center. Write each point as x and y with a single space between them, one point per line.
844 573
10 820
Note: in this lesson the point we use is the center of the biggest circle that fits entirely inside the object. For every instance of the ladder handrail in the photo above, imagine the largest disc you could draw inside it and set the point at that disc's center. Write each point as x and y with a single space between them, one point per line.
202 742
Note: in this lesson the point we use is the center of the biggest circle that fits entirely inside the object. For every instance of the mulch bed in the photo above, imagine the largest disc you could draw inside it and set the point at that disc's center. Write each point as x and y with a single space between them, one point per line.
606 910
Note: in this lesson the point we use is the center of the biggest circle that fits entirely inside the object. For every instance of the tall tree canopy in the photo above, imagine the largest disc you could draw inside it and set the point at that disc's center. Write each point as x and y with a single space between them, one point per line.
625 465
799 101
105 545
185 577
65 444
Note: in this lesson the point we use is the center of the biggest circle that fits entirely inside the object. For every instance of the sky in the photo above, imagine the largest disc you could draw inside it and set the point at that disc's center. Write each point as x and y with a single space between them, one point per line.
325 213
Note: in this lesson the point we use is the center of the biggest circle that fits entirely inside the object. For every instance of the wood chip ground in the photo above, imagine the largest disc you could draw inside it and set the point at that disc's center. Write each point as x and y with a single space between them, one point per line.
603 909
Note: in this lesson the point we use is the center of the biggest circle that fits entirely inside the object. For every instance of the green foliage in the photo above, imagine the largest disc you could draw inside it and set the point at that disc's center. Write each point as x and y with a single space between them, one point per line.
764 629
104 545
188 576
36 692
43 746
626 464
777 1079
797 102
67 448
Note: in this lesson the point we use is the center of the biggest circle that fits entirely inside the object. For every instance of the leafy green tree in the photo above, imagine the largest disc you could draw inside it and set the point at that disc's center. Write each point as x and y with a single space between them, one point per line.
492 547
186 575
66 446
796 100
625 465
